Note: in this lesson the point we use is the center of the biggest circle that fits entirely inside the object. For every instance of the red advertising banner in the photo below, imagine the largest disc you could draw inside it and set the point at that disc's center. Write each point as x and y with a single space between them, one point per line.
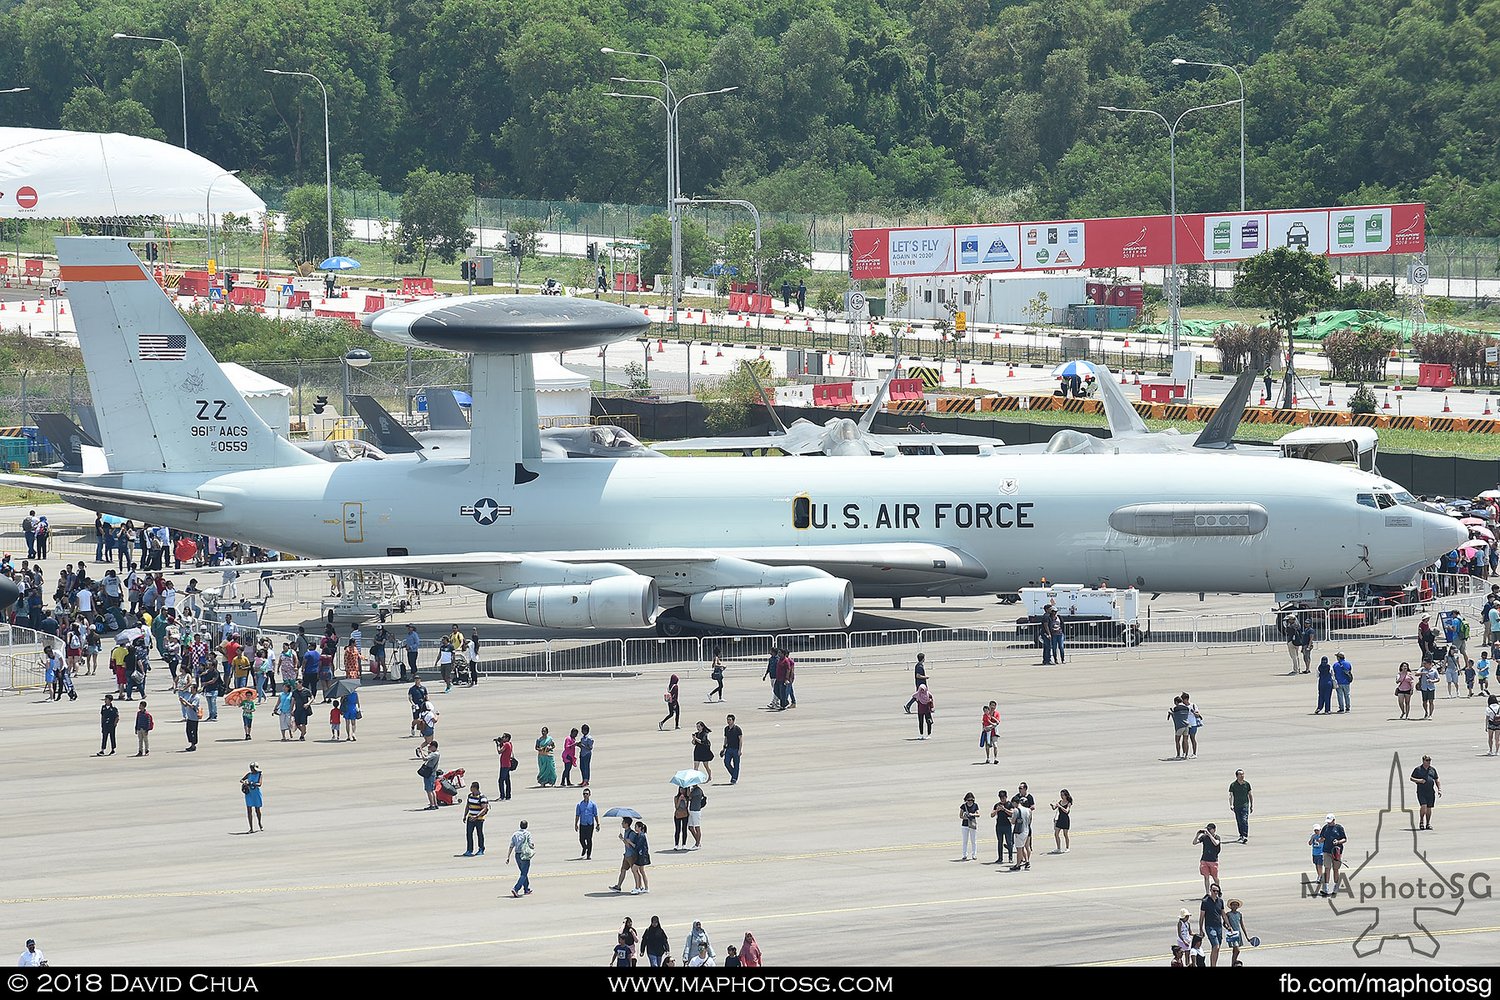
1134 241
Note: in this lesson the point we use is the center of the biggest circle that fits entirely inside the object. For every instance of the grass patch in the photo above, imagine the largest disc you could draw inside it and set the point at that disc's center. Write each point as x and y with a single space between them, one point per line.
20 496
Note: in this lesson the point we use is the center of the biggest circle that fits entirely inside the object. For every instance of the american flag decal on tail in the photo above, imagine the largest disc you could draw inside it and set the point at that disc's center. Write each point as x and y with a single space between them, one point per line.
163 347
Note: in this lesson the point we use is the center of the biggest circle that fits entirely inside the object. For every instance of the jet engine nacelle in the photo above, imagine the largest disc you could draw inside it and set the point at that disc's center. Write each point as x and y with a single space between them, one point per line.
614 602
804 605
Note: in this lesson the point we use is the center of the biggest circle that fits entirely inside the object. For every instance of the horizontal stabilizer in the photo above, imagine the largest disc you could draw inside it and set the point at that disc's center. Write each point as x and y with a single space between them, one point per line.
93 497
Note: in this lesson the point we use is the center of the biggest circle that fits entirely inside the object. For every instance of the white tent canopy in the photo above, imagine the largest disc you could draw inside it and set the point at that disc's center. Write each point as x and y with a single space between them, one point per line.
267 397
56 174
560 392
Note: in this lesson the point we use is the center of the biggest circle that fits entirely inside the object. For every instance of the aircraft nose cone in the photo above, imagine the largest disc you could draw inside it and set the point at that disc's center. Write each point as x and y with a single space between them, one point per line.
9 593
1442 534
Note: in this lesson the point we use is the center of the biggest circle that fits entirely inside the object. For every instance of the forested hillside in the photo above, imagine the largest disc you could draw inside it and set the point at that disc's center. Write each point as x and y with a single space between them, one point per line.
974 108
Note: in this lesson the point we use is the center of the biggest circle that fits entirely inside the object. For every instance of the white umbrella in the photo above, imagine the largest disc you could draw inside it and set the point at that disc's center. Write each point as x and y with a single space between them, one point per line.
689 778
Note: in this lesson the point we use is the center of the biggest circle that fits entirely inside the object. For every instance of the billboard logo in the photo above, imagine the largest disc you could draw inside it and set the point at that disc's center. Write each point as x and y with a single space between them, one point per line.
968 251
1375 229
1136 248
1346 231
870 258
1297 235
1042 256
1410 234
1250 235
998 253
1063 258
1052 236
1031 237
1221 237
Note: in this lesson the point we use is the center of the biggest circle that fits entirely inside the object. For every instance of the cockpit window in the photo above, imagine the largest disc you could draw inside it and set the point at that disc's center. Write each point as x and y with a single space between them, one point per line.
1404 497
1385 500
1368 499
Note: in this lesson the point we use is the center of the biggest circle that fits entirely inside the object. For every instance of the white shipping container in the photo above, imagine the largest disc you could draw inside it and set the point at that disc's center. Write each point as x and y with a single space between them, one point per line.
995 300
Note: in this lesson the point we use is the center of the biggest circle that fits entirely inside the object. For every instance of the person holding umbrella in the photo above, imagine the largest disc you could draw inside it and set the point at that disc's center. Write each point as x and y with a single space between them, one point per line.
250 786
627 837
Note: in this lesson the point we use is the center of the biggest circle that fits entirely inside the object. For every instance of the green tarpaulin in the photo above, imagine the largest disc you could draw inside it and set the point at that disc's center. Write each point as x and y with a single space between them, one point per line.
1318 325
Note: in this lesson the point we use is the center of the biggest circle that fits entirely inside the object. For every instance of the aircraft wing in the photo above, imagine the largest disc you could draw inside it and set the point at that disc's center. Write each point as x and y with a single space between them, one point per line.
97 497
943 441
1123 418
680 571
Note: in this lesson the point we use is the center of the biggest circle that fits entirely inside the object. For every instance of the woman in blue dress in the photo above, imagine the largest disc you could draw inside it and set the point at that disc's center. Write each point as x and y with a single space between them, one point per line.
352 714
546 762
250 785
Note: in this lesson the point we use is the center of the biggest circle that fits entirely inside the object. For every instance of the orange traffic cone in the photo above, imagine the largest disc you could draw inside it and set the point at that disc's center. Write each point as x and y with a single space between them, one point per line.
1387 404
62 309
661 346
1446 407
1398 386
703 317
762 354
23 307
704 360
1262 401
809 326
972 379
786 320
1010 371
1294 400
719 352
1127 343
958 369
2 307
997 333
1330 395
747 320
646 311
1487 406
41 304
830 359
1137 376
1126 381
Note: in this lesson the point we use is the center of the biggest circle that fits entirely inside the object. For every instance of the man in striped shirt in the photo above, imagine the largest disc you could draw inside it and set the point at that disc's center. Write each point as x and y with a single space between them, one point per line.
476 808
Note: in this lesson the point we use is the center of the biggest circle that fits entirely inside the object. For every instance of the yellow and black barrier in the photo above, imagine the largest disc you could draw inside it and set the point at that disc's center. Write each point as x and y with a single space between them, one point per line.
957 404
931 377
906 406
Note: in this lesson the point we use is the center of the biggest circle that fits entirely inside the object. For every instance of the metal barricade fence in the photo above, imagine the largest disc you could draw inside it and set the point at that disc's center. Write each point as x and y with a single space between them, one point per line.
1234 630
960 643
682 655
514 656
22 672
580 655
820 650
884 648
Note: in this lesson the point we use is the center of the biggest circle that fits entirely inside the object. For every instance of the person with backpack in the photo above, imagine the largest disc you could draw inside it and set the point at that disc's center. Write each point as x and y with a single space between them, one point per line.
143 726
697 799
522 847
1343 676
429 771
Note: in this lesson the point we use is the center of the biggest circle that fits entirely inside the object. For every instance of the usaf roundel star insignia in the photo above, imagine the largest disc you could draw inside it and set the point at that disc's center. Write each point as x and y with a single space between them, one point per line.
484 511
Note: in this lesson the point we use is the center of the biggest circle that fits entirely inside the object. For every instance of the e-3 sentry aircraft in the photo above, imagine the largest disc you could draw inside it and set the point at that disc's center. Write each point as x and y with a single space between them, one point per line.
768 544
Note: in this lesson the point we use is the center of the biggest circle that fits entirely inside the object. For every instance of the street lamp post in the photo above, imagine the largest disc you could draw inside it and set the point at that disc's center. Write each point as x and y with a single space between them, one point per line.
670 103
1214 65
327 145
1174 284
181 71
208 215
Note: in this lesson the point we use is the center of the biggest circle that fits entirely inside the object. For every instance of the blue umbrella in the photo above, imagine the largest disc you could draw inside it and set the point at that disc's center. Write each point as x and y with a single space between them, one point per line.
1082 369
339 264
623 811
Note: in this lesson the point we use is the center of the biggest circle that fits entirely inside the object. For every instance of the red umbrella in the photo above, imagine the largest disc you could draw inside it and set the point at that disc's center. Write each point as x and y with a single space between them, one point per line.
239 695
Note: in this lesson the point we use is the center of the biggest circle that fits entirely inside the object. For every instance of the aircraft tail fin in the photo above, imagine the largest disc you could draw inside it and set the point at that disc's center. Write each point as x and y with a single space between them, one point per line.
1122 417
868 418
390 437
66 437
170 406
89 421
771 409
1219 432
443 411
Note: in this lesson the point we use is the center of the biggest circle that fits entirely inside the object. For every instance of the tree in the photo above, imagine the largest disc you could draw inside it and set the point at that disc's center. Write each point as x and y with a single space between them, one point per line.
304 237
697 249
528 231
434 211
1288 284
728 400
92 110
784 252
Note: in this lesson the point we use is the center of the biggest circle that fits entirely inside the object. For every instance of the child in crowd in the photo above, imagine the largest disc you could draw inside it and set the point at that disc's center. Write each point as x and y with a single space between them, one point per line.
335 719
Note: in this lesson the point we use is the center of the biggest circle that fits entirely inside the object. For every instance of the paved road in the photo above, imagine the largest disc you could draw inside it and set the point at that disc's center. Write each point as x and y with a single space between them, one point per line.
840 842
